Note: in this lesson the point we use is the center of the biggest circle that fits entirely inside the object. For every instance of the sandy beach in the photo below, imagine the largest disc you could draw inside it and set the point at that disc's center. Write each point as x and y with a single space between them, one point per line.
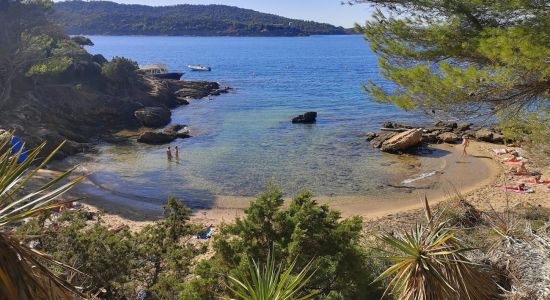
473 176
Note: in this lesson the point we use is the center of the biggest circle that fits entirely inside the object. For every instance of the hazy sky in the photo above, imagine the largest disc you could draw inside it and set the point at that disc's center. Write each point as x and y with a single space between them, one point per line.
328 11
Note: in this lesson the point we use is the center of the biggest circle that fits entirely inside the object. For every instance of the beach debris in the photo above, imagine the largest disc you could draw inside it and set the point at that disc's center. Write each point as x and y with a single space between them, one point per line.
403 141
153 116
306 118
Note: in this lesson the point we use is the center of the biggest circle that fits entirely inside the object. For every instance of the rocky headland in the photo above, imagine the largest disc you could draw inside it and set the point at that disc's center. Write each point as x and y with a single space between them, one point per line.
82 113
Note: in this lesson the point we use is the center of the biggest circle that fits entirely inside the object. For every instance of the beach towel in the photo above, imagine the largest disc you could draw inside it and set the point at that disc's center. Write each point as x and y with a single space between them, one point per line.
16 146
516 190
500 151
206 235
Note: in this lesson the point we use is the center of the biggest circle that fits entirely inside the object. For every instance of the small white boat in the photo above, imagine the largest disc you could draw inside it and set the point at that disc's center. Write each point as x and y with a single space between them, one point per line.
199 68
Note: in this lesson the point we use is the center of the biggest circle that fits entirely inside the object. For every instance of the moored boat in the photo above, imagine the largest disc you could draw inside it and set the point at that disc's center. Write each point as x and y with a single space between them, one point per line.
199 68
160 71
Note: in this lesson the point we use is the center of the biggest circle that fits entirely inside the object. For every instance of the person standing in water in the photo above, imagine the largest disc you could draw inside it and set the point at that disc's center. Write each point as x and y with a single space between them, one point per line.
177 153
465 144
168 153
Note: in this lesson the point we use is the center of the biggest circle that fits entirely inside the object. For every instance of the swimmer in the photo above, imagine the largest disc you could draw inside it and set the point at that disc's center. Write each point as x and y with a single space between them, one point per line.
177 152
168 153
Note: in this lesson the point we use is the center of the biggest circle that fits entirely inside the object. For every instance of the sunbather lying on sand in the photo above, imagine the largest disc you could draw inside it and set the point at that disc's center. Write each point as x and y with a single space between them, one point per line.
537 180
522 188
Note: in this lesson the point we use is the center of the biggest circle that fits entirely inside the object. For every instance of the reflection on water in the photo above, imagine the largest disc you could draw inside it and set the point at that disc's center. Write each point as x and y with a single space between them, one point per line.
243 140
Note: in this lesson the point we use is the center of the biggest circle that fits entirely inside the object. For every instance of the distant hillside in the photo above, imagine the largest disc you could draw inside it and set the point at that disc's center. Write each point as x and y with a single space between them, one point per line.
109 18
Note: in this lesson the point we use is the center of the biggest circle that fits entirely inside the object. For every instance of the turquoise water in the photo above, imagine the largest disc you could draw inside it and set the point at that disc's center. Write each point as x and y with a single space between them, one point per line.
244 139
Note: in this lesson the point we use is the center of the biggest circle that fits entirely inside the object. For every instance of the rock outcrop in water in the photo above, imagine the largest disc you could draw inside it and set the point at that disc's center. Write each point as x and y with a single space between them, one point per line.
306 118
57 112
166 135
402 141
153 116
396 137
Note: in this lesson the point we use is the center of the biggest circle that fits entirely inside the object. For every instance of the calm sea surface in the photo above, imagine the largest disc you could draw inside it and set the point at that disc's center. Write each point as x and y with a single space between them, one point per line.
244 140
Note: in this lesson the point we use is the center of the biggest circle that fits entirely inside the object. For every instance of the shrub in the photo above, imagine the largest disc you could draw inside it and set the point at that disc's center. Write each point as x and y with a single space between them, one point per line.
120 71
306 231
429 263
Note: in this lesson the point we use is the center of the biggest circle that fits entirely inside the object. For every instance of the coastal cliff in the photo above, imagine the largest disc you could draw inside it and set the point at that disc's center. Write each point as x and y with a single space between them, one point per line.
80 113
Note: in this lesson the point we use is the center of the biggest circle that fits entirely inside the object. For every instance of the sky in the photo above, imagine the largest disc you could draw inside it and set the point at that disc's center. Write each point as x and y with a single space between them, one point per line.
326 11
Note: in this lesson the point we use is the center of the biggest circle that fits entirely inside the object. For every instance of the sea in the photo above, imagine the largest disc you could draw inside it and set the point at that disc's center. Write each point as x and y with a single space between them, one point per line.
244 141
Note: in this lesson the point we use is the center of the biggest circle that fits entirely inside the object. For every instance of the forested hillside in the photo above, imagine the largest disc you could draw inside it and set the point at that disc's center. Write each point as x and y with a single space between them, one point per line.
109 18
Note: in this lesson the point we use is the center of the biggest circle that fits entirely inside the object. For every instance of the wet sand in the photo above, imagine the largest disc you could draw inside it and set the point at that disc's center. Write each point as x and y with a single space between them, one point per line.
448 173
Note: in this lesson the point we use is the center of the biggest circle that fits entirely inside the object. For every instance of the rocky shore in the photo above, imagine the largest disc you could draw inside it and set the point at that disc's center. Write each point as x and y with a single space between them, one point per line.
395 137
81 114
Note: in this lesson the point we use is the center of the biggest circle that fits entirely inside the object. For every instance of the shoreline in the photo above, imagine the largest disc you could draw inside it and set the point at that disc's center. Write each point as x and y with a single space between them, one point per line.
457 174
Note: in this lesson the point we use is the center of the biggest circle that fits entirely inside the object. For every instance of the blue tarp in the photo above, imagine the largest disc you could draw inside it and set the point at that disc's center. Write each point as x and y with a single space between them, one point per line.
16 146
206 235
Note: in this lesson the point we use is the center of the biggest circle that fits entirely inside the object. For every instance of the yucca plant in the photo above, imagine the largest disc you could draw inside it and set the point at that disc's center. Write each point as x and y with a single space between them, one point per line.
23 274
429 263
271 282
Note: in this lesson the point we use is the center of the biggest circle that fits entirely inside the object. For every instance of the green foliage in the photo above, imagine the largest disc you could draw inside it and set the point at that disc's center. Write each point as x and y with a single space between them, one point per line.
120 71
23 274
306 231
102 17
271 282
103 256
429 262
82 40
467 57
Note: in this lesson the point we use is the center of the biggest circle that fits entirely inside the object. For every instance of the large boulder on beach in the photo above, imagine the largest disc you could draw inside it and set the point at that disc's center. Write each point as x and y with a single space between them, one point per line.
448 137
307 118
403 141
153 116
157 137
484 134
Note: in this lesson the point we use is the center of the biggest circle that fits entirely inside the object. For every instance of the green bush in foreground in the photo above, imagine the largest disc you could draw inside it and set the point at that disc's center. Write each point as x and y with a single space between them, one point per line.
306 231
429 263
271 282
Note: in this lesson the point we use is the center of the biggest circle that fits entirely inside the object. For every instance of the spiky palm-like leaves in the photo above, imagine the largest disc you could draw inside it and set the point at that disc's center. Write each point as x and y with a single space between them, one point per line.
429 263
22 272
271 282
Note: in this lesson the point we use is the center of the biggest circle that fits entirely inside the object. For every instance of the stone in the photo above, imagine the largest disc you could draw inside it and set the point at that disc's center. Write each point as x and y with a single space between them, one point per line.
181 131
396 125
381 138
448 137
371 136
153 116
403 141
446 124
307 118
464 127
498 138
157 137
484 134
430 137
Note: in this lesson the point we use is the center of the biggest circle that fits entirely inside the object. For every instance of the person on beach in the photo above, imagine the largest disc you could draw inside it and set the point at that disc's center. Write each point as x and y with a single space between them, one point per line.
177 153
168 153
521 169
465 144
